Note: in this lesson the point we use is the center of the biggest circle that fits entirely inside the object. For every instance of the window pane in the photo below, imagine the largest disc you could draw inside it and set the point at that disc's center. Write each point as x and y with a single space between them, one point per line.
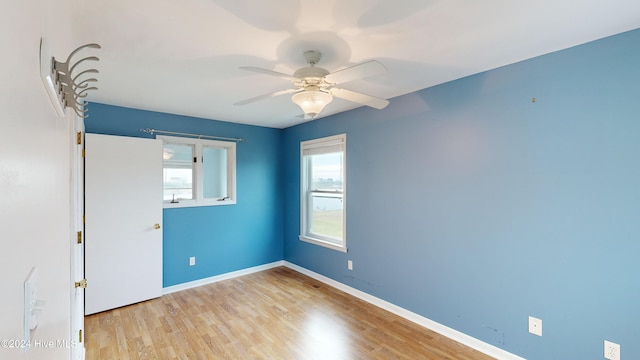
326 216
326 172
177 172
214 172
177 154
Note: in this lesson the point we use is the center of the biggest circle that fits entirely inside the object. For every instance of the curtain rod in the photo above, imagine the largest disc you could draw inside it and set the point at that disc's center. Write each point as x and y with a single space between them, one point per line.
199 136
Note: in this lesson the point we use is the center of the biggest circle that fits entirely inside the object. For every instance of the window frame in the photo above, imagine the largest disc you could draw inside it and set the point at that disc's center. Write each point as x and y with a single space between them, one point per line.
329 142
198 174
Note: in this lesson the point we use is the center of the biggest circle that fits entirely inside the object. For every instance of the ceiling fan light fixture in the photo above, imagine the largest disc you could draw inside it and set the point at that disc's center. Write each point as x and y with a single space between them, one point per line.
312 101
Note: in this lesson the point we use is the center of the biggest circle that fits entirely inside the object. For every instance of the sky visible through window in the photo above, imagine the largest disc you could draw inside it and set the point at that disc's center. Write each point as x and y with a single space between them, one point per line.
327 168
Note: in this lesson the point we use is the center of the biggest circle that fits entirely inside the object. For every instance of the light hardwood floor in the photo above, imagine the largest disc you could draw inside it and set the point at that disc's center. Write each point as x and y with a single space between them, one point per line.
274 314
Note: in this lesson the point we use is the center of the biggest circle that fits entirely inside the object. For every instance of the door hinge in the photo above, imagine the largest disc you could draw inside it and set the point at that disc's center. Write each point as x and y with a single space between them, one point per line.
79 138
80 336
81 284
79 237
84 219
83 153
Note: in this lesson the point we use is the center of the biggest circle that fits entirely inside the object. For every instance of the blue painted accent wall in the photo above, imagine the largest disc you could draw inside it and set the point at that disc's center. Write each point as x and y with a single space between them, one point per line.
222 238
474 206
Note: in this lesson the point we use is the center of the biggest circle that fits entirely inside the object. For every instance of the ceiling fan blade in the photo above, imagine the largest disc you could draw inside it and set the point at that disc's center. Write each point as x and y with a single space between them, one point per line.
269 72
359 98
355 72
266 96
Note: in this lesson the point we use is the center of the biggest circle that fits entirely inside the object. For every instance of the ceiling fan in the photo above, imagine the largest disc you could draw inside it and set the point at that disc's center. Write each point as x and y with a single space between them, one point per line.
315 87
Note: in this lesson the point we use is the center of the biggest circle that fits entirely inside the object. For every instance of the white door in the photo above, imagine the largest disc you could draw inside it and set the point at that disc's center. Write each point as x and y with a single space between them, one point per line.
123 209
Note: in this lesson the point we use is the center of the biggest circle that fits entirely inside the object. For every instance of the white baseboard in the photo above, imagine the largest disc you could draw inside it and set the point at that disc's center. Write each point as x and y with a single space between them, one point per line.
411 316
213 279
402 312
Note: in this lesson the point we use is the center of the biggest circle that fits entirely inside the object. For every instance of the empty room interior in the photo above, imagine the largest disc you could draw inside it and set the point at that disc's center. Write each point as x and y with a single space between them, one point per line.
296 179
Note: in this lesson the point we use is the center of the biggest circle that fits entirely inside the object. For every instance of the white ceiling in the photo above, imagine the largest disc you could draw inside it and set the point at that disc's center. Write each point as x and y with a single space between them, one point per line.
182 57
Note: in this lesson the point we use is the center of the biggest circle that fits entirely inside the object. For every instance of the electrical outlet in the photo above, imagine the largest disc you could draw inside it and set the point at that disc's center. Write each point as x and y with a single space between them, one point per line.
611 350
349 264
192 261
535 326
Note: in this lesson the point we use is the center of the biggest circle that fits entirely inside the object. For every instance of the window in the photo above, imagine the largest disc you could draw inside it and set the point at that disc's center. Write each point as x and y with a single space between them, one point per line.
322 198
197 172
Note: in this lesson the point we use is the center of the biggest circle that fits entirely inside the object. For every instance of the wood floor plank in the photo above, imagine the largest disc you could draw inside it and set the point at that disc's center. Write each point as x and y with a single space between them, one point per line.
274 314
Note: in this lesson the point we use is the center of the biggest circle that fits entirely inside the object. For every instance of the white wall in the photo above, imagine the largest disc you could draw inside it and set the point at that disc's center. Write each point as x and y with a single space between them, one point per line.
34 175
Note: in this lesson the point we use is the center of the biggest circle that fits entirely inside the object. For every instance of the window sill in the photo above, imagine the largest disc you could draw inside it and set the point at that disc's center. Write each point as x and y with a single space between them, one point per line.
192 203
323 243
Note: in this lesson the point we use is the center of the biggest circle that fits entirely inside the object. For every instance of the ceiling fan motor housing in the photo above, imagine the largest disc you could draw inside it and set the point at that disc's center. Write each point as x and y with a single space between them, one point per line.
311 75
311 72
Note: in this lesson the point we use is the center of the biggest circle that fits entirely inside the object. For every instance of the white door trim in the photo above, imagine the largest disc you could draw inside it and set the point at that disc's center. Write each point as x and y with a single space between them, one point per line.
77 249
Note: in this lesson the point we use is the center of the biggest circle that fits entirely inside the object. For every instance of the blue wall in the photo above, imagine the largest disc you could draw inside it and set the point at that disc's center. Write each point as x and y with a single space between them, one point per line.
222 238
474 206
